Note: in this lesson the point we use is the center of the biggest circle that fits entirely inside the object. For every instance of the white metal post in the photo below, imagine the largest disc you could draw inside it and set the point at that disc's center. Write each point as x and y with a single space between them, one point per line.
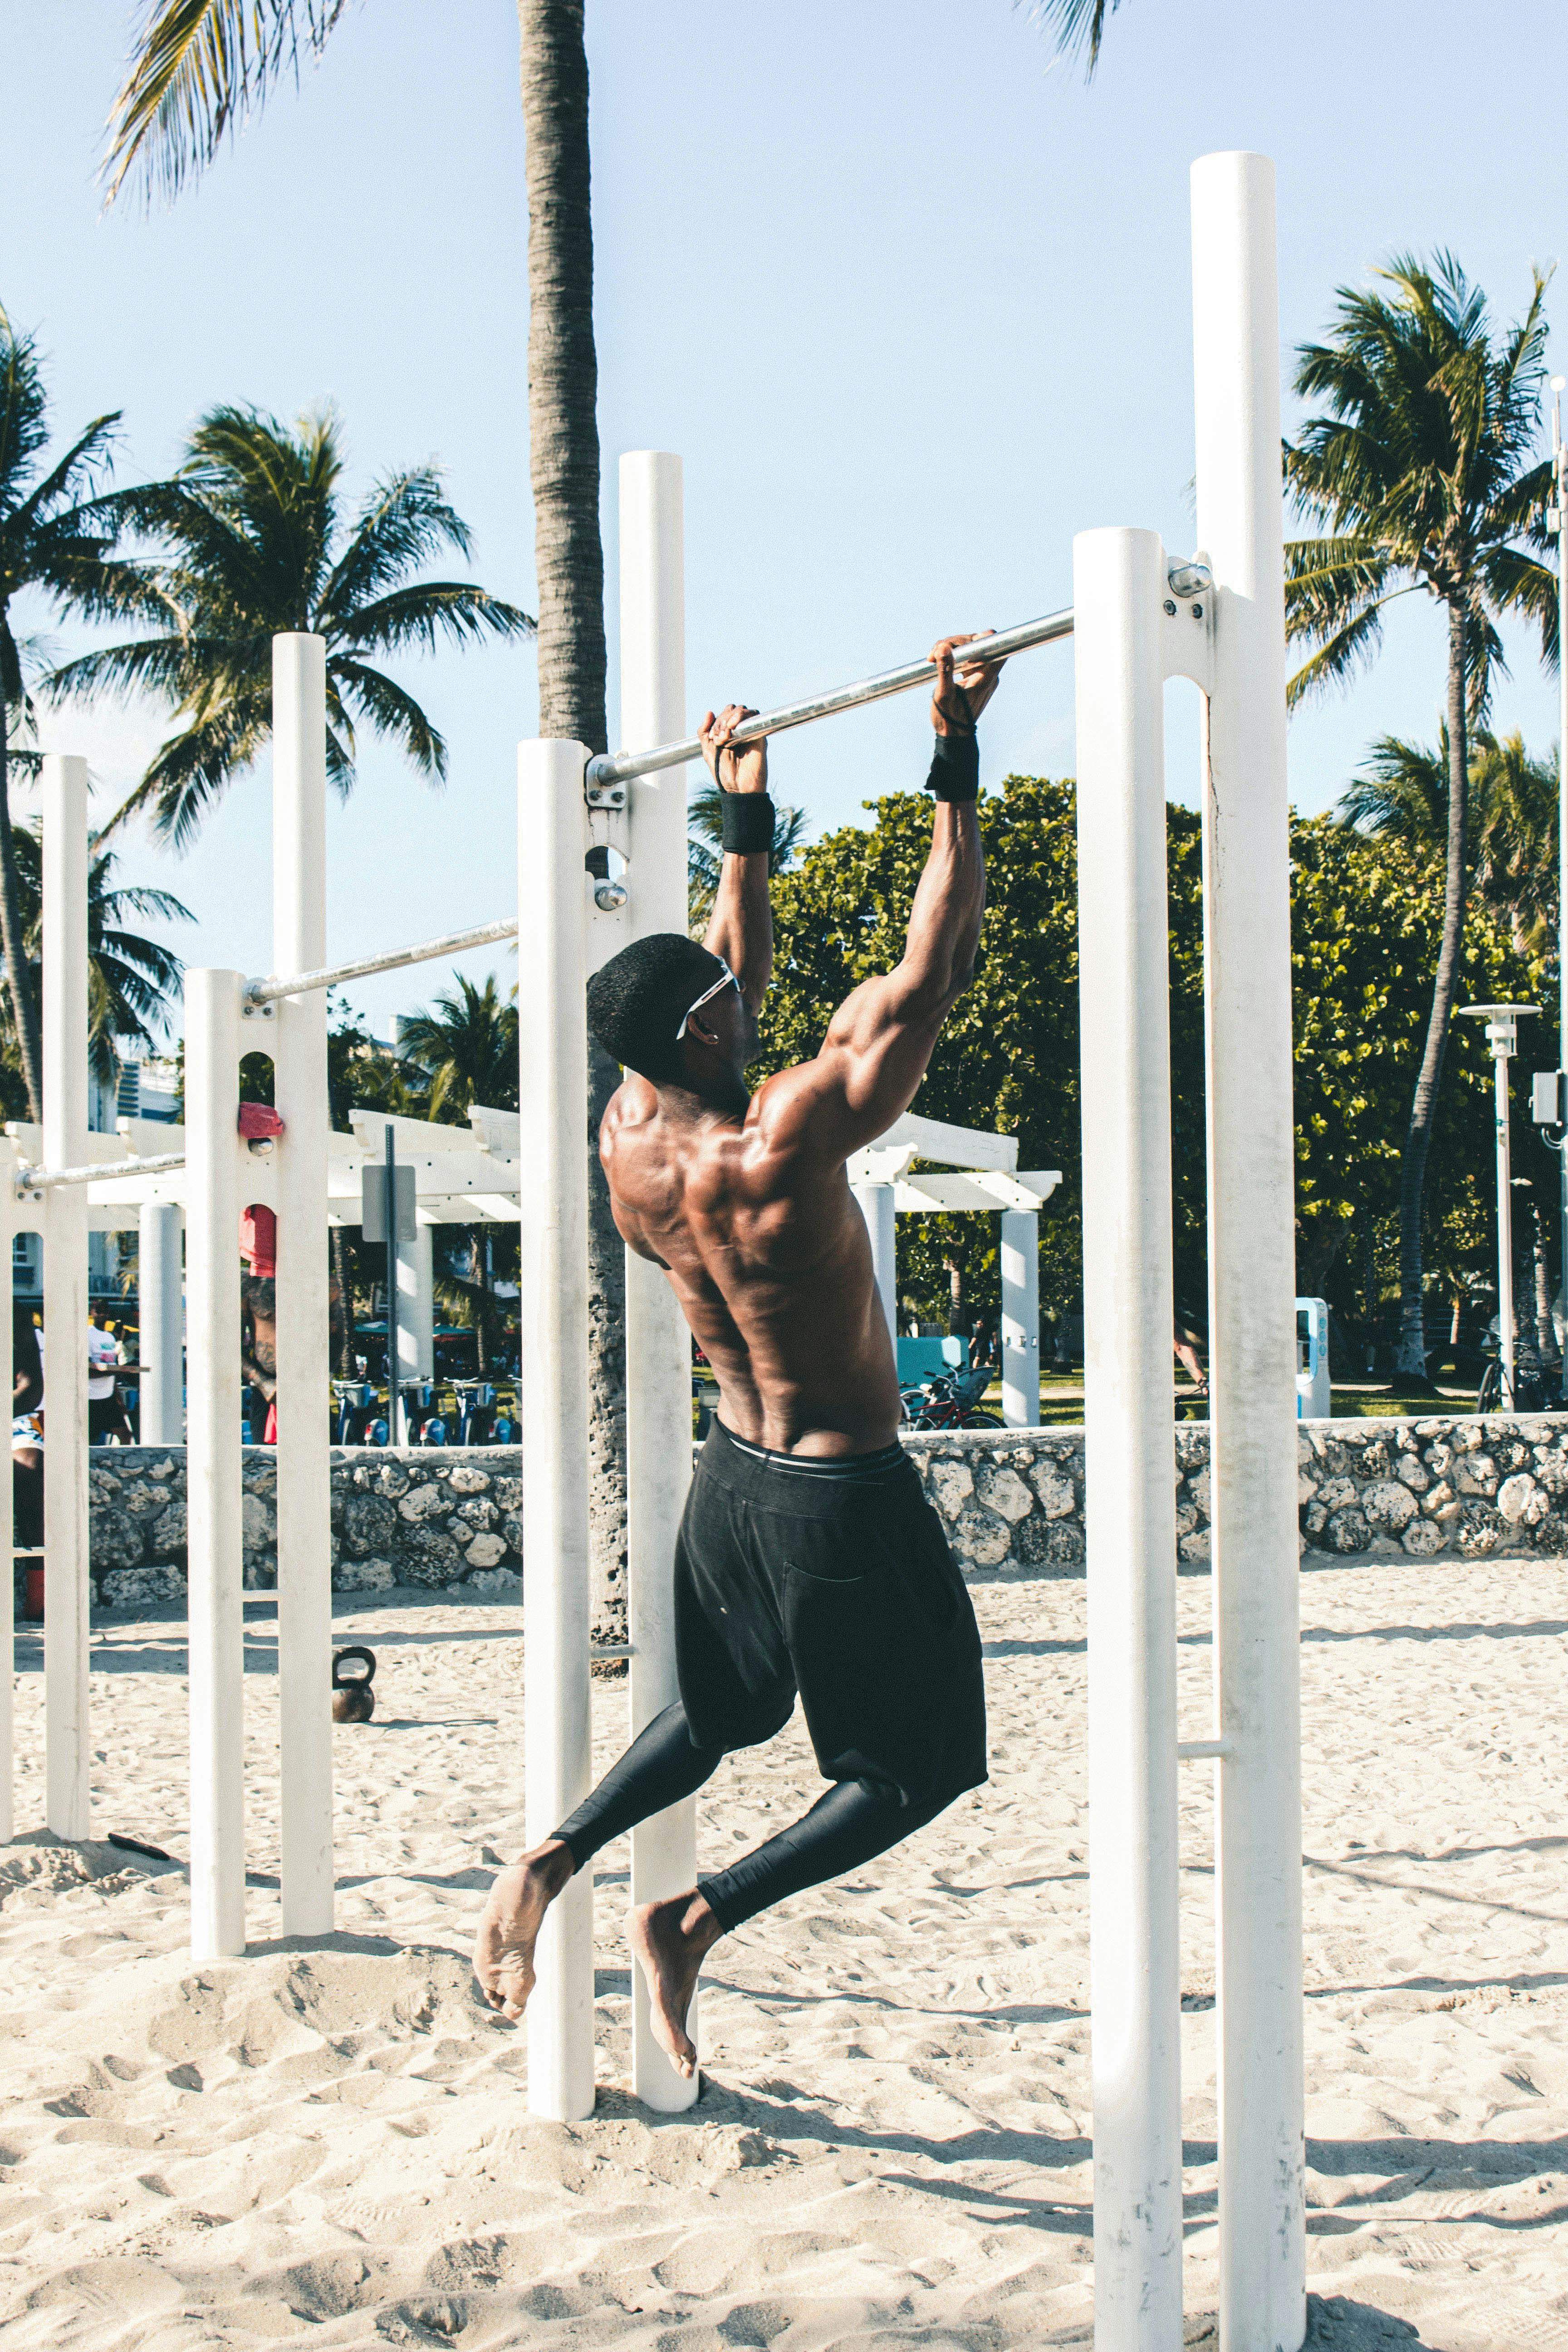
658 1346
877 1205
7 1530
552 1324
216 1558
1251 1245
67 1591
1021 1318
1119 582
161 1314
1560 463
1507 1398
416 1306
296 1037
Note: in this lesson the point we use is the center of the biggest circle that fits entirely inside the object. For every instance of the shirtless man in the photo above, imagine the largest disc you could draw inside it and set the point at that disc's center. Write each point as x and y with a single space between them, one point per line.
808 1560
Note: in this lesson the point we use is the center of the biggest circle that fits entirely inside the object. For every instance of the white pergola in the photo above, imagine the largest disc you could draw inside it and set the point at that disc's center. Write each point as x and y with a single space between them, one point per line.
462 1176
985 1176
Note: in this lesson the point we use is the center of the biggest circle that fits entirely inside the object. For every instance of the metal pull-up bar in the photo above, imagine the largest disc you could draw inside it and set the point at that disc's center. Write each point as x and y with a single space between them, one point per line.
39 1180
301 984
613 768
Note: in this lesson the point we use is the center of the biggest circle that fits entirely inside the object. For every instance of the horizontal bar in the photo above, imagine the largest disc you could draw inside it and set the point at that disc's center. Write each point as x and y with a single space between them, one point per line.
301 984
1197 1751
39 1179
618 767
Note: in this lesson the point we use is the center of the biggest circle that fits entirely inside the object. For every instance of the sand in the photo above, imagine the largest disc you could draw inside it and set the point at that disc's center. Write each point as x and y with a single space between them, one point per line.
329 2146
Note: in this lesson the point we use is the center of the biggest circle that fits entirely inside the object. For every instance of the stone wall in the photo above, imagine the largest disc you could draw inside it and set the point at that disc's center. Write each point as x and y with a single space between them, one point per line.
433 1516
1011 1499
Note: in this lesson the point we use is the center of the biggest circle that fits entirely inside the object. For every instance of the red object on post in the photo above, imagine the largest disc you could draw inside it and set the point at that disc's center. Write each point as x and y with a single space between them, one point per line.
33 1602
259 1235
257 1121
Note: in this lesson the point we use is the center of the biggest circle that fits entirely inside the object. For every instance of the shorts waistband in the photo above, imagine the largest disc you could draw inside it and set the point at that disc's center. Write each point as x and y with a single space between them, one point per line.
799 1482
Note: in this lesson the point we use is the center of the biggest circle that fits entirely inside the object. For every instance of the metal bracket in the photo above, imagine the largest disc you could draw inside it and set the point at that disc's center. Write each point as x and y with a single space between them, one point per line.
598 793
249 1010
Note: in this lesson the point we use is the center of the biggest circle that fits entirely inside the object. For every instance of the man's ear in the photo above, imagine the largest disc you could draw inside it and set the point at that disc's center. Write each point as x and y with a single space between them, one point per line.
696 1027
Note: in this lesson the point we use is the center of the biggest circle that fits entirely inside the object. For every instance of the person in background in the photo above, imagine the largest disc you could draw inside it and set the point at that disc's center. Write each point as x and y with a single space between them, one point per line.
1186 1342
108 1422
26 1429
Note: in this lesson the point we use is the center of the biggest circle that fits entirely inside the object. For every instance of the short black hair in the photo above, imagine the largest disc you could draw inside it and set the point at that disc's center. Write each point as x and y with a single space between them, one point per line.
637 1000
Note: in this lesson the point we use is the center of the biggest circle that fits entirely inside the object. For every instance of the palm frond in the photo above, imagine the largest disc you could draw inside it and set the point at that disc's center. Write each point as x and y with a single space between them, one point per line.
392 710
198 68
428 611
1338 658
1075 26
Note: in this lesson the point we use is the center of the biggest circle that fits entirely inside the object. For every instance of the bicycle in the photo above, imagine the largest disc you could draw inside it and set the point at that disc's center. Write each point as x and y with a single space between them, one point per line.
950 1401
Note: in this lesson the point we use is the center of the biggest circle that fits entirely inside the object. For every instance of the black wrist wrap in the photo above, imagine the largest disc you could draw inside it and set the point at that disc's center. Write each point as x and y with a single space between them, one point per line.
749 822
955 769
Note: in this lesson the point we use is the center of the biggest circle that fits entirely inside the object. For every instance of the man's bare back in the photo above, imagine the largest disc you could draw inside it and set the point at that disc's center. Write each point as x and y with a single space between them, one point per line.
808 1562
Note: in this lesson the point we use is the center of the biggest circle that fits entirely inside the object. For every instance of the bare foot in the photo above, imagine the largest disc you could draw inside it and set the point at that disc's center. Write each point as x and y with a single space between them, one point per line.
509 1928
670 1939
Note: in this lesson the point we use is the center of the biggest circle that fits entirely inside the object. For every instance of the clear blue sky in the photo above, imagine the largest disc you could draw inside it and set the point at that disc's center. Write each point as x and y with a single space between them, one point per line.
911 301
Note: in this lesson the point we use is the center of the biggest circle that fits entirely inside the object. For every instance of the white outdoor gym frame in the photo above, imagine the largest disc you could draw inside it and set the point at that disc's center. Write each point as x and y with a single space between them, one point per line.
1136 621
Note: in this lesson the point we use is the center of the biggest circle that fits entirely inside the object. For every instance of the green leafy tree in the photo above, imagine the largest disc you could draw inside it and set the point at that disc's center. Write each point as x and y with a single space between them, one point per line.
1420 478
1367 922
254 543
466 1049
1077 26
55 542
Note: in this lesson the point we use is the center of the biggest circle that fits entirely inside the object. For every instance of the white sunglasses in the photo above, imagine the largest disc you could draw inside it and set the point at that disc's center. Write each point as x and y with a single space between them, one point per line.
706 997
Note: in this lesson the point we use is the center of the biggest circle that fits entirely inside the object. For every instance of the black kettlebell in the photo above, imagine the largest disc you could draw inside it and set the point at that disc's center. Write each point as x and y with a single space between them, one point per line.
353 1701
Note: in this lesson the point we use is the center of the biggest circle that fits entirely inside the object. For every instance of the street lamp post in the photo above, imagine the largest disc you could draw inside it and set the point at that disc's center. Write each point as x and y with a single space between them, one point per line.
1503 1035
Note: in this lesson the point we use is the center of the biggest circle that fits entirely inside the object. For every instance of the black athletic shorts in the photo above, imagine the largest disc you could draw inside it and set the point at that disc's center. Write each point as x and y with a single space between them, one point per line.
834 1580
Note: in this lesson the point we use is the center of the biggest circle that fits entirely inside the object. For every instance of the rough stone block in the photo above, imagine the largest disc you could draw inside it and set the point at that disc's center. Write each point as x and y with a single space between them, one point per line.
465 1479
1481 1530
1059 1497
169 1533
1388 1506
495 1584
486 1551
1441 1503
1422 1538
1196 1547
114 1539
258 1523
422 1503
427 1555
950 1484
479 1511
1412 1472
1346 1531
1476 1474
1336 1494
369 1524
1004 1491
364 1575
133 1588
982 1538
1521 1502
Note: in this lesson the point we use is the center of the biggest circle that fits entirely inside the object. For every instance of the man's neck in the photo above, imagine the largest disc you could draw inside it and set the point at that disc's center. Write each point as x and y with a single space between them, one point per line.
687 1108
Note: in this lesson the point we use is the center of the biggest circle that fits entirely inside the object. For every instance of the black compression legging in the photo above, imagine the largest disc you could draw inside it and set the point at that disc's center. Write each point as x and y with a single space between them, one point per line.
853 1822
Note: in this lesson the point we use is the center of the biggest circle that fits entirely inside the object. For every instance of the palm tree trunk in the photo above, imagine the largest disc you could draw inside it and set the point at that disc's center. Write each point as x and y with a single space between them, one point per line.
18 972
1411 1360
563 439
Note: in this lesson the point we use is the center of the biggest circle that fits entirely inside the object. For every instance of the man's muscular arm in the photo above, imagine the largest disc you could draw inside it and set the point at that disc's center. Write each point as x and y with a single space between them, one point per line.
741 928
880 1039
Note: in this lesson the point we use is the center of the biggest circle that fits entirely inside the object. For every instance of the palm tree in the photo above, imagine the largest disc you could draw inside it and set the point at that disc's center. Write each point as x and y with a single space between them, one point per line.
198 68
1511 802
130 979
254 542
1419 479
467 1047
54 540
704 852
